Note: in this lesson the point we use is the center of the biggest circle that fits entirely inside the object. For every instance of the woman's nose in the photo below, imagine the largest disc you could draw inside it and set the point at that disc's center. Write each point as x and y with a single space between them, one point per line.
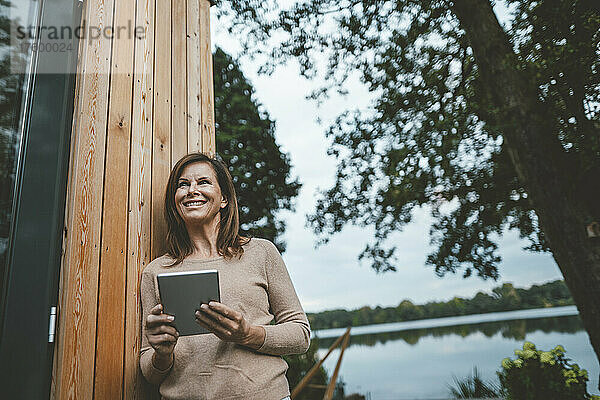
193 188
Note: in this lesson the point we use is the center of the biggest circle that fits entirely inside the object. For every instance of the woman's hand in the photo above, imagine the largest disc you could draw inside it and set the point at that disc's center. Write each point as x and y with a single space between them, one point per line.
162 336
230 325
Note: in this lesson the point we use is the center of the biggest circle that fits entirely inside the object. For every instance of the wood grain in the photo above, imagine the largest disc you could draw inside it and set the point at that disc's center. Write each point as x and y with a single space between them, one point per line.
194 105
207 110
179 81
140 104
161 149
64 270
110 336
75 370
138 247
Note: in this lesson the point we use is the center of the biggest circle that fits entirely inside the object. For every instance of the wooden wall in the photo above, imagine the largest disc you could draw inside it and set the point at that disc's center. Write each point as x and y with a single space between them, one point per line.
141 103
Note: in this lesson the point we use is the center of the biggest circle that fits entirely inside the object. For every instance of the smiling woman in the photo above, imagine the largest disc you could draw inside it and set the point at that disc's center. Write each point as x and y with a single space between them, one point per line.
198 197
199 178
259 318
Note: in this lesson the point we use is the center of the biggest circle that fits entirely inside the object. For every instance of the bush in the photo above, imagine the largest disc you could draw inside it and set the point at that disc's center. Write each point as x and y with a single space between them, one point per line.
543 375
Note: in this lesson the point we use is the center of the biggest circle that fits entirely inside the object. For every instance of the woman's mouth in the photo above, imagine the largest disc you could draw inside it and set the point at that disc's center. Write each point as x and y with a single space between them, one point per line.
194 203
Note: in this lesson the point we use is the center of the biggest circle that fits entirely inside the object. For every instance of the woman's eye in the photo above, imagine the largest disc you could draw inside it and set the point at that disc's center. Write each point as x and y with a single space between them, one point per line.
180 184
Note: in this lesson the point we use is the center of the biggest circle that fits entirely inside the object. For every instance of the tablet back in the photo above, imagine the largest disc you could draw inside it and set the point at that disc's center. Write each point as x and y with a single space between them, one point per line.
182 293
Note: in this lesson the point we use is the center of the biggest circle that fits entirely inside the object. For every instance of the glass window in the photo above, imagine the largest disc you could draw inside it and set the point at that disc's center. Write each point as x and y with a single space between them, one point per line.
15 62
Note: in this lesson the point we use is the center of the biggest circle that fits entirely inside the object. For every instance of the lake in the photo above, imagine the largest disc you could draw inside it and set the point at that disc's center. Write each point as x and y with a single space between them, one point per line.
418 359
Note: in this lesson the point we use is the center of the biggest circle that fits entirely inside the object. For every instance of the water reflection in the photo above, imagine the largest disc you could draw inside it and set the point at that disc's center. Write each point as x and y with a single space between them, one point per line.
419 363
516 330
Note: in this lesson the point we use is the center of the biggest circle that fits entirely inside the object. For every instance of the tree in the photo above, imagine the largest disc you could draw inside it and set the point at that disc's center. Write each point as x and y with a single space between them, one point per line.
407 311
491 127
246 142
507 296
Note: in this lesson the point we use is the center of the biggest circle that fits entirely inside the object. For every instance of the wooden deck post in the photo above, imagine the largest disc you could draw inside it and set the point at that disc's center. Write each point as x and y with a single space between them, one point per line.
144 98
331 386
315 368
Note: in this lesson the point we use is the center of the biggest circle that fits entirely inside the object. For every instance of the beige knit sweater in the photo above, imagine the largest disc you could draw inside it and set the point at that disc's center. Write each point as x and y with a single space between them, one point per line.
205 367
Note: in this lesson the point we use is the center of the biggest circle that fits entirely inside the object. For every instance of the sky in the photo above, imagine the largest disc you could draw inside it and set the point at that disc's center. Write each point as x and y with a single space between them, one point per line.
330 276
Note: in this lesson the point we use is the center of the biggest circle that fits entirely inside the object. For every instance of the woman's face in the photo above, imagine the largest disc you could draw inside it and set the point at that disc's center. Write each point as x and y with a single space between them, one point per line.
198 197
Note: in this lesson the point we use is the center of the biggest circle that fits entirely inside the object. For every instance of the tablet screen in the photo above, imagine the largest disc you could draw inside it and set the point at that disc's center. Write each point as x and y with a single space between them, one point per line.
182 293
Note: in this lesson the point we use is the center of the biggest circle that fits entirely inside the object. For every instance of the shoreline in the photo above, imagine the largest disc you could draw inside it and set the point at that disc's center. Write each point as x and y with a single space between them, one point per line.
531 313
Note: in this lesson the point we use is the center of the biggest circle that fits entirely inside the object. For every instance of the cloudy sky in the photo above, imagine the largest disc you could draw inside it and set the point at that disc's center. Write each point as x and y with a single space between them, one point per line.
331 276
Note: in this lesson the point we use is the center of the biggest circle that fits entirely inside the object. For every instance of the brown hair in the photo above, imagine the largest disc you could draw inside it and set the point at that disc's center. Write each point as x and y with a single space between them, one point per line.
229 241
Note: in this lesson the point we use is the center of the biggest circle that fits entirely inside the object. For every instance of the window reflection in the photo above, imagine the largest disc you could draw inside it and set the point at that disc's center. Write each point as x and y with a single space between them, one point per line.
13 83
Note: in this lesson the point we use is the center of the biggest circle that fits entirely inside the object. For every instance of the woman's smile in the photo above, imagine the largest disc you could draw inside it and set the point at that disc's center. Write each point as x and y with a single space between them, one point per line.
194 203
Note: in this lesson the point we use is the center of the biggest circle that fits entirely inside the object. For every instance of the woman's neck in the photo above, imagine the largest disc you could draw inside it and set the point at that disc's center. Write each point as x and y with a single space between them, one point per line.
204 239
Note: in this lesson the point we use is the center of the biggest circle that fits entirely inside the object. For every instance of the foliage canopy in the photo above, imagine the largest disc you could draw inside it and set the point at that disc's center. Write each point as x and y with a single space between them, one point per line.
433 135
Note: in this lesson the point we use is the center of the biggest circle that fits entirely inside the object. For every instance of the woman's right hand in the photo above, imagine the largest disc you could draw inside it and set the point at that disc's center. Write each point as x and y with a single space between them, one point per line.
161 335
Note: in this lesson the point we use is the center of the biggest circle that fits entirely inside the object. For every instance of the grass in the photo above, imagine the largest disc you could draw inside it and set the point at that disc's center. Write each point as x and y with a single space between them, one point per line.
473 387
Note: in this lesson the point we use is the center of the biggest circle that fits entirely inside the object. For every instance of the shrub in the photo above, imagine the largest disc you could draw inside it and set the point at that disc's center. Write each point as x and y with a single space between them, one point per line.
542 375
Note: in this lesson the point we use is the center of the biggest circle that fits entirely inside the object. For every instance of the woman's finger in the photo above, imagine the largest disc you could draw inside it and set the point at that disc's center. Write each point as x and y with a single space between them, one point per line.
154 320
157 309
164 329
161 339
224 310
223 320
200 321
225 336
212 325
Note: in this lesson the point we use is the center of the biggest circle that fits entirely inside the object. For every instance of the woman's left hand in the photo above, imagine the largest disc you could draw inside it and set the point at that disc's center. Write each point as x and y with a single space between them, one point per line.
229 325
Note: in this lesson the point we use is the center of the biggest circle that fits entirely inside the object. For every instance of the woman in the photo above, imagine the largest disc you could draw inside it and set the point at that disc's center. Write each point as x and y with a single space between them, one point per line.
242 358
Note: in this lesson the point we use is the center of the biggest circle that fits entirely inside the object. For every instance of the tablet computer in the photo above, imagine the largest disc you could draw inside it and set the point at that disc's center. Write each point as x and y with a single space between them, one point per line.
182 293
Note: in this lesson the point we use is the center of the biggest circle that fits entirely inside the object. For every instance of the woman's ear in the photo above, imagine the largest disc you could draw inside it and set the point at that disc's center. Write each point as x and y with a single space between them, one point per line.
224 202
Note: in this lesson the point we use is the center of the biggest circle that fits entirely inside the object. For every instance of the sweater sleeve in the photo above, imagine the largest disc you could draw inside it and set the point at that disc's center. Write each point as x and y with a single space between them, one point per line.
291 332
149 300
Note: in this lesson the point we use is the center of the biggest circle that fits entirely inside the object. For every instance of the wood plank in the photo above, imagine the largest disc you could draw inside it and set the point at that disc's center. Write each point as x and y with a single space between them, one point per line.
331 386
110 337
161 149
76 346
179 85
194 103
63 279
138 247
207 112
159 124
304 382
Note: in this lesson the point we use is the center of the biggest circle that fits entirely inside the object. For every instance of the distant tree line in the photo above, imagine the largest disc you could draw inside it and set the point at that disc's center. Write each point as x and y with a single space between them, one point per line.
502 298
